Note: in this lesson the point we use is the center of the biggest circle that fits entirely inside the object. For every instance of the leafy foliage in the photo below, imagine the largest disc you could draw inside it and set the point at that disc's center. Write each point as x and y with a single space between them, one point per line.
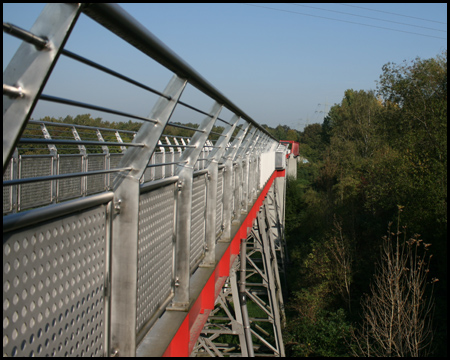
374 151
124 128
325 336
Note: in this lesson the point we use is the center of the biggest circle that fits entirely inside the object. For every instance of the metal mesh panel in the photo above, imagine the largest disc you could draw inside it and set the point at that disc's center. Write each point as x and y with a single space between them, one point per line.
70 188
177 156
155 251
114 160
168 168
39 193
53 278
96 183
7 190
219 204
201 164
159 159
198 219
149 172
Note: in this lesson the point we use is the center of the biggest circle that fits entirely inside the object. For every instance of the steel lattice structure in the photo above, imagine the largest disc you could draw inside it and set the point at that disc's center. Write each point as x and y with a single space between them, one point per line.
135 249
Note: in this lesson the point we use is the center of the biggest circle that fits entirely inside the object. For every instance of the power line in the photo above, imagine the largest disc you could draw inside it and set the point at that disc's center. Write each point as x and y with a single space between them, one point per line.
368 17
346 21
387 12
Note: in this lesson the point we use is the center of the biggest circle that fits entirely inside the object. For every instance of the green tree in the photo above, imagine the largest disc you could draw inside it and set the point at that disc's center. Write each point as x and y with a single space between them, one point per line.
281 132
378 150
415 96
291 135
311 137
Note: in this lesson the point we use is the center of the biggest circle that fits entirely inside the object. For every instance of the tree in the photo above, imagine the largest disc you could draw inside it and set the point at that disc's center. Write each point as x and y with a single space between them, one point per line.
378 150
414 123
354 120
280 132
311 138
397 315
341 251
291 135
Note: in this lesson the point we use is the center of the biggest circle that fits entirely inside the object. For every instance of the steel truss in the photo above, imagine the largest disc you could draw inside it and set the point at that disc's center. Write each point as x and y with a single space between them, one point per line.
248 316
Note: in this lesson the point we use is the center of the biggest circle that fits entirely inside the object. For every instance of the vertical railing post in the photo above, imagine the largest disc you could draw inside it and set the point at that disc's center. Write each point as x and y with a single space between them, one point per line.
126 222
15 175
249 152
55 162
211 196
185 173
84 161
243 156
227 180
237 168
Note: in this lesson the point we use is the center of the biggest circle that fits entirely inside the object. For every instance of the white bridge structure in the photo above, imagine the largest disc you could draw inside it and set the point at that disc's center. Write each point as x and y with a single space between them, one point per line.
136 243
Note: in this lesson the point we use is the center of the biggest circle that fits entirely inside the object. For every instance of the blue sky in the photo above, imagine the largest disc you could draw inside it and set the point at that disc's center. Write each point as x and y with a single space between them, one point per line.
280 67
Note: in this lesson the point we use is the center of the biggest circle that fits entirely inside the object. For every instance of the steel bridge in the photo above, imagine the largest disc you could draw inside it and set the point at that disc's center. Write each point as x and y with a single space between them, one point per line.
136 243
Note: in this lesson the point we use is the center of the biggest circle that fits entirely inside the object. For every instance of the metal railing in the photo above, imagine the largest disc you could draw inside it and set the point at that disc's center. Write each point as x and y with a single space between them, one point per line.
38 176
109 241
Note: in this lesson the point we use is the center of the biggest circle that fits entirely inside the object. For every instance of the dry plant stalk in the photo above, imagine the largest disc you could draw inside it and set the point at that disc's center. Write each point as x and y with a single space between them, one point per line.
398 314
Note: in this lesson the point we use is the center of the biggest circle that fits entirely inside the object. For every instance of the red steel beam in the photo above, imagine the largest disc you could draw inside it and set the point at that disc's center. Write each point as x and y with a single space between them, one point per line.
184 340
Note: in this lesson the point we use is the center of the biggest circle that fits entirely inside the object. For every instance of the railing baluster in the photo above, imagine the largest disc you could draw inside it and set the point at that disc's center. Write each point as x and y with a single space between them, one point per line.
183 218
125 223
211 200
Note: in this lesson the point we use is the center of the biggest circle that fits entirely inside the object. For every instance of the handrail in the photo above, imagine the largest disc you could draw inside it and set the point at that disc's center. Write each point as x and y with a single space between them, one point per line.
117 20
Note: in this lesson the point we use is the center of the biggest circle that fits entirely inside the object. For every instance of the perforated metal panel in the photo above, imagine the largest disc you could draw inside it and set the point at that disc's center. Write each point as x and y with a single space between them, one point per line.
39 193
198 219
53 279
155 251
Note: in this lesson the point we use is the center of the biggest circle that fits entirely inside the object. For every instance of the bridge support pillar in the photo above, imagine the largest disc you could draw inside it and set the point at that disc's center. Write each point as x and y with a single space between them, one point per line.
253 308
225 322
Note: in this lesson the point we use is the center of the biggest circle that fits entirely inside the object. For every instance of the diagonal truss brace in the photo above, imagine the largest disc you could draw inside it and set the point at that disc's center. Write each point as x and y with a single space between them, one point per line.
262 260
